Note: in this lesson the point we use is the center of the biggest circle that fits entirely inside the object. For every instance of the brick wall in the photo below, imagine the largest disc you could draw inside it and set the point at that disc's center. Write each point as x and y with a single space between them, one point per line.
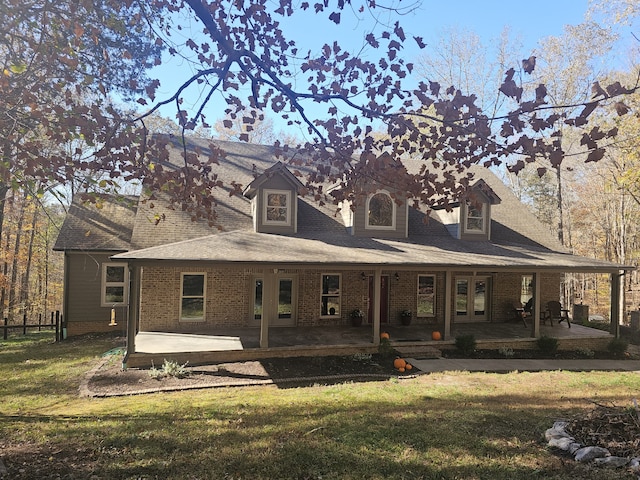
229 294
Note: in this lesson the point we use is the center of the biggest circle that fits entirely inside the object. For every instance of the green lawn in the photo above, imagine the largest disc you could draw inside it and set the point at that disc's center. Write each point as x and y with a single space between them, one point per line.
441 426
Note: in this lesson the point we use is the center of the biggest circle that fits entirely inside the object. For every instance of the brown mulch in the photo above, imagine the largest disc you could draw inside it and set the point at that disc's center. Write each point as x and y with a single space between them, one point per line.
612 427
108 378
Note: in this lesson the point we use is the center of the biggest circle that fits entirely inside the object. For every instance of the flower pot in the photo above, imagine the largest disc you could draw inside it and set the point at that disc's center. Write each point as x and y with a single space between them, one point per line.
405 319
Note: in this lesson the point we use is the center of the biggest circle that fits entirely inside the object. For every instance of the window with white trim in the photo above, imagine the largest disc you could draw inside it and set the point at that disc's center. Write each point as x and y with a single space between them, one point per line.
115 278
381 211
192 296
426 295
277 207
330 296
476 218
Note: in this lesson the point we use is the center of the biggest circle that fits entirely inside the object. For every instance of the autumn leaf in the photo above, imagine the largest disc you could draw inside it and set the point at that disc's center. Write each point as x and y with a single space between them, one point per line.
529 64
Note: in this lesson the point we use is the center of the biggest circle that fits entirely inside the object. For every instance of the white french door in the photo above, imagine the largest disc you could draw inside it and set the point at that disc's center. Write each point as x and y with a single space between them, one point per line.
281 308
472 299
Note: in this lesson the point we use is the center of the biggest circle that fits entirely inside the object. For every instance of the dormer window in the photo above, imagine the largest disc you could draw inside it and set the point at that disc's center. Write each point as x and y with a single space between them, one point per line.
381 212
277 207
476 218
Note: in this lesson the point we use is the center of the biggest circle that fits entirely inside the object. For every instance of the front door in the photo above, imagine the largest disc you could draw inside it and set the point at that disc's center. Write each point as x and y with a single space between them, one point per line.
472 299
384 299
281 308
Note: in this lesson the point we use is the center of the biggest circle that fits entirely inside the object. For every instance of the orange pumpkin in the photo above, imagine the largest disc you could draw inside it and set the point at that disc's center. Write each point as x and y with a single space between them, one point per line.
435 335
399 363
401 369
384 336
408 366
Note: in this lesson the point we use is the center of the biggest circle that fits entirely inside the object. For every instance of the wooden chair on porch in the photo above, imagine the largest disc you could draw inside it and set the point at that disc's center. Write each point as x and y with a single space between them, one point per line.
520 314
555 311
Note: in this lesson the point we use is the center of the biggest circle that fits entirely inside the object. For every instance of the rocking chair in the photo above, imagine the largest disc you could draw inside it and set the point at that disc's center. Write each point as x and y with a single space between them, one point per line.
555 311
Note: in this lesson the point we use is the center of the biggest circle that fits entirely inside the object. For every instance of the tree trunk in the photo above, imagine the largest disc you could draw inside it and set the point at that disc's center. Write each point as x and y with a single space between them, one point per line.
13 285
25 296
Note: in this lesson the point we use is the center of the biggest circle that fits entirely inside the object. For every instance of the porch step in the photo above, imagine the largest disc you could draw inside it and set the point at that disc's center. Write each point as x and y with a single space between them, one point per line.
418 351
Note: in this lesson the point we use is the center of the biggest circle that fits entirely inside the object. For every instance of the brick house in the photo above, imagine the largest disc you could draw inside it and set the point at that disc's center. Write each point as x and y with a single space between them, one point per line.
283 260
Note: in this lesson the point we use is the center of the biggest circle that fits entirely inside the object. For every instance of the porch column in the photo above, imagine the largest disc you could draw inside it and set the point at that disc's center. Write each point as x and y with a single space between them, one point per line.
376 305
447 304
616 303
535 329
268 294
133 318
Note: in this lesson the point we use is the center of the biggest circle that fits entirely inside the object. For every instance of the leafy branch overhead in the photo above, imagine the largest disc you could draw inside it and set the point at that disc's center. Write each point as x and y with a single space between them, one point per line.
64 62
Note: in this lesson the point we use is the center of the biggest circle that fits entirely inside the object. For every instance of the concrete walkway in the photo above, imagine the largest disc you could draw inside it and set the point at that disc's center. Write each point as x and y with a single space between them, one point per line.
432 365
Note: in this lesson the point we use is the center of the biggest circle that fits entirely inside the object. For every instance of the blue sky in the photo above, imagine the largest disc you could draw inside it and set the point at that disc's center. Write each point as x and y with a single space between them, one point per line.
529 21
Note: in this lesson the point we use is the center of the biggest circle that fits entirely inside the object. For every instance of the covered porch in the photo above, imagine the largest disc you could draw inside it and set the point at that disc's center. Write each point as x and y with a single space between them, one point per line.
240 344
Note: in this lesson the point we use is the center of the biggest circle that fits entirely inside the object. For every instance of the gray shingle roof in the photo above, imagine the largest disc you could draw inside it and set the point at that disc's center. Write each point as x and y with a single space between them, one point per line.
104 226
518 239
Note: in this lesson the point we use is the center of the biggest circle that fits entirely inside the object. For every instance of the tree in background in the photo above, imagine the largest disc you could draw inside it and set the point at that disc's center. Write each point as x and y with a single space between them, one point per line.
72 70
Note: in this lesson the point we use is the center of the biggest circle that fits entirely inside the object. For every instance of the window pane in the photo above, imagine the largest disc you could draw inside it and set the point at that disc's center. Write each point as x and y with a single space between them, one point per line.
276 214
381 210
475 221
479 297
192 308
114 295
115 274
257 301
330 305
331 284
193 285
277 200
284 299
461 297
426 295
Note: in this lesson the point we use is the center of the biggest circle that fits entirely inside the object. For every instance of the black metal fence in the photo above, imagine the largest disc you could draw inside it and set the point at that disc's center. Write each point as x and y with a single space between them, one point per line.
55 322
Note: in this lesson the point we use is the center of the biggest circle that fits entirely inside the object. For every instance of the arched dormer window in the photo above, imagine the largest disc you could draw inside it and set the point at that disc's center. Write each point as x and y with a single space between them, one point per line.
381 211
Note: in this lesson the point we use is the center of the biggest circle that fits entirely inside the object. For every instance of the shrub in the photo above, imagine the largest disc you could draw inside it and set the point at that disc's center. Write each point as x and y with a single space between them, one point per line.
617 347
466 344
506 352
385 349
169 368
586 352
547 345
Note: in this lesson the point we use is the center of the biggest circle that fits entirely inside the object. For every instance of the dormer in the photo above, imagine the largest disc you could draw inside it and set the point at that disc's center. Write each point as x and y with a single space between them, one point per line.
382 214
475 212
470 219
274 200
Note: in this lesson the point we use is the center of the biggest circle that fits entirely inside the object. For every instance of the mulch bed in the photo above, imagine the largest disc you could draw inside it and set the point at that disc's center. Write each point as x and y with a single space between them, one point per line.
612 427
108 379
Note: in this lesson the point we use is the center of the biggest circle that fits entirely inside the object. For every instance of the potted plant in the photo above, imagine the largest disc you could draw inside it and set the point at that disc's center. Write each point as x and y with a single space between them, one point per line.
357 316
405 317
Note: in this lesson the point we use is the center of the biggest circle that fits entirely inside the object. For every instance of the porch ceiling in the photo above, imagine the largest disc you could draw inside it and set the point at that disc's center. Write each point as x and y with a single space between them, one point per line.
429 252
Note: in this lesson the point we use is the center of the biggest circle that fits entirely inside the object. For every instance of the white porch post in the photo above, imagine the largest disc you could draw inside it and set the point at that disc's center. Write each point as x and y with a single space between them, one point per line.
377 278
617 306
268 293
133 318
448 296
535 329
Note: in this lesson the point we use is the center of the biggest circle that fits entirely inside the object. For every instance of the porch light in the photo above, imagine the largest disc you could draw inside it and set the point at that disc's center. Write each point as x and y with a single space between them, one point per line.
397 277
363 277
113 318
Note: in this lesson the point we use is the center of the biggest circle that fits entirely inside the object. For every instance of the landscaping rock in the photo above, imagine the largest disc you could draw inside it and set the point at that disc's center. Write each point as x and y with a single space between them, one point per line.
613 462
587 454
